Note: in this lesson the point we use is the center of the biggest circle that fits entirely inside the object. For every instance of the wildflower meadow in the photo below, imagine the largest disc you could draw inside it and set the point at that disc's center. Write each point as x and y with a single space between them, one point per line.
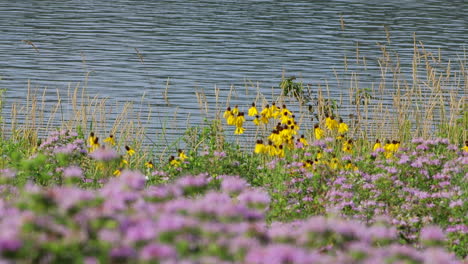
290 179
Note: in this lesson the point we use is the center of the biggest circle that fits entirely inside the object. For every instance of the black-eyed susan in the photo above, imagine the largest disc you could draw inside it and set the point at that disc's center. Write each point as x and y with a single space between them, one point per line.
275 111
95 144
130 151
348 146
285 110
259 147
377 145
149 165
253 110
318 132
110 140
174 162
266 113
117 172
240 119
465 148
227 113
123 163
279 151
342 126
91 139
239 130
182 155
235 110
331 123
303 140
256 120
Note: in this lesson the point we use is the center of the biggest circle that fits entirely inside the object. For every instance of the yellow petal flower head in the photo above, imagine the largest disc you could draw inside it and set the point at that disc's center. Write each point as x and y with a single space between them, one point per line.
239 130
266 112
240 119
303 140
149 165
377 145
173 162
280 151
253 110
256 120
465 148
275 111
95 145
235 110
318 132
348 146
117 172
130 151
331 123
110 140
285 110
342 127
259 147
227 113
91 139
182 155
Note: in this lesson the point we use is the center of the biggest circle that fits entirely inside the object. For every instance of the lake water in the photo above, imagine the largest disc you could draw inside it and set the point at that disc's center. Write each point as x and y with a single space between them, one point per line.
126 49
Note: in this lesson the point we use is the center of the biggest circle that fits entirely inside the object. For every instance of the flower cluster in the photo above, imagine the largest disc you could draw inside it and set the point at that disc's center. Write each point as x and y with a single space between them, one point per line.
194 219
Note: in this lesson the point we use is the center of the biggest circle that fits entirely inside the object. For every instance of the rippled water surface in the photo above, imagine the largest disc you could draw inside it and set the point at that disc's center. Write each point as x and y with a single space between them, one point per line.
126 49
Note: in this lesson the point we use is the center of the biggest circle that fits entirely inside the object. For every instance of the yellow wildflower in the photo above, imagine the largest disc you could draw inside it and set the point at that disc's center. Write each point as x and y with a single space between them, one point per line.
227 113
377 145
253 110
240 119
182 155
235 110
303 140
266 112
95 145
174 162
91 139
342 127
149 165
275 111
256 120
231 120
239 130
318 132
465 148
110 140
259 147
331 123
348 146
117 172
130 151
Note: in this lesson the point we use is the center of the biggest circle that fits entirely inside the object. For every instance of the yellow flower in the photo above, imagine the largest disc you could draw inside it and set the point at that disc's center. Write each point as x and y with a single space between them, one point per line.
91 139
117 172
231 120
239 130
110 140
123 163
331 123
227 113
348 146
285 111
319 133
130 151
173 162
182 155
333 164
259 147
279 151
253 110
377 145
465 148
264 119
342 127
235 110
149 165
95 145
256 121
266 112
303 140
240 119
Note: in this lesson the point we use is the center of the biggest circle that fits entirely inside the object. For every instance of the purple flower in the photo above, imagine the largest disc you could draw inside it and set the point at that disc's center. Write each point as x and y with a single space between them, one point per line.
232 184
432 233
104 154
156 251
72 172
